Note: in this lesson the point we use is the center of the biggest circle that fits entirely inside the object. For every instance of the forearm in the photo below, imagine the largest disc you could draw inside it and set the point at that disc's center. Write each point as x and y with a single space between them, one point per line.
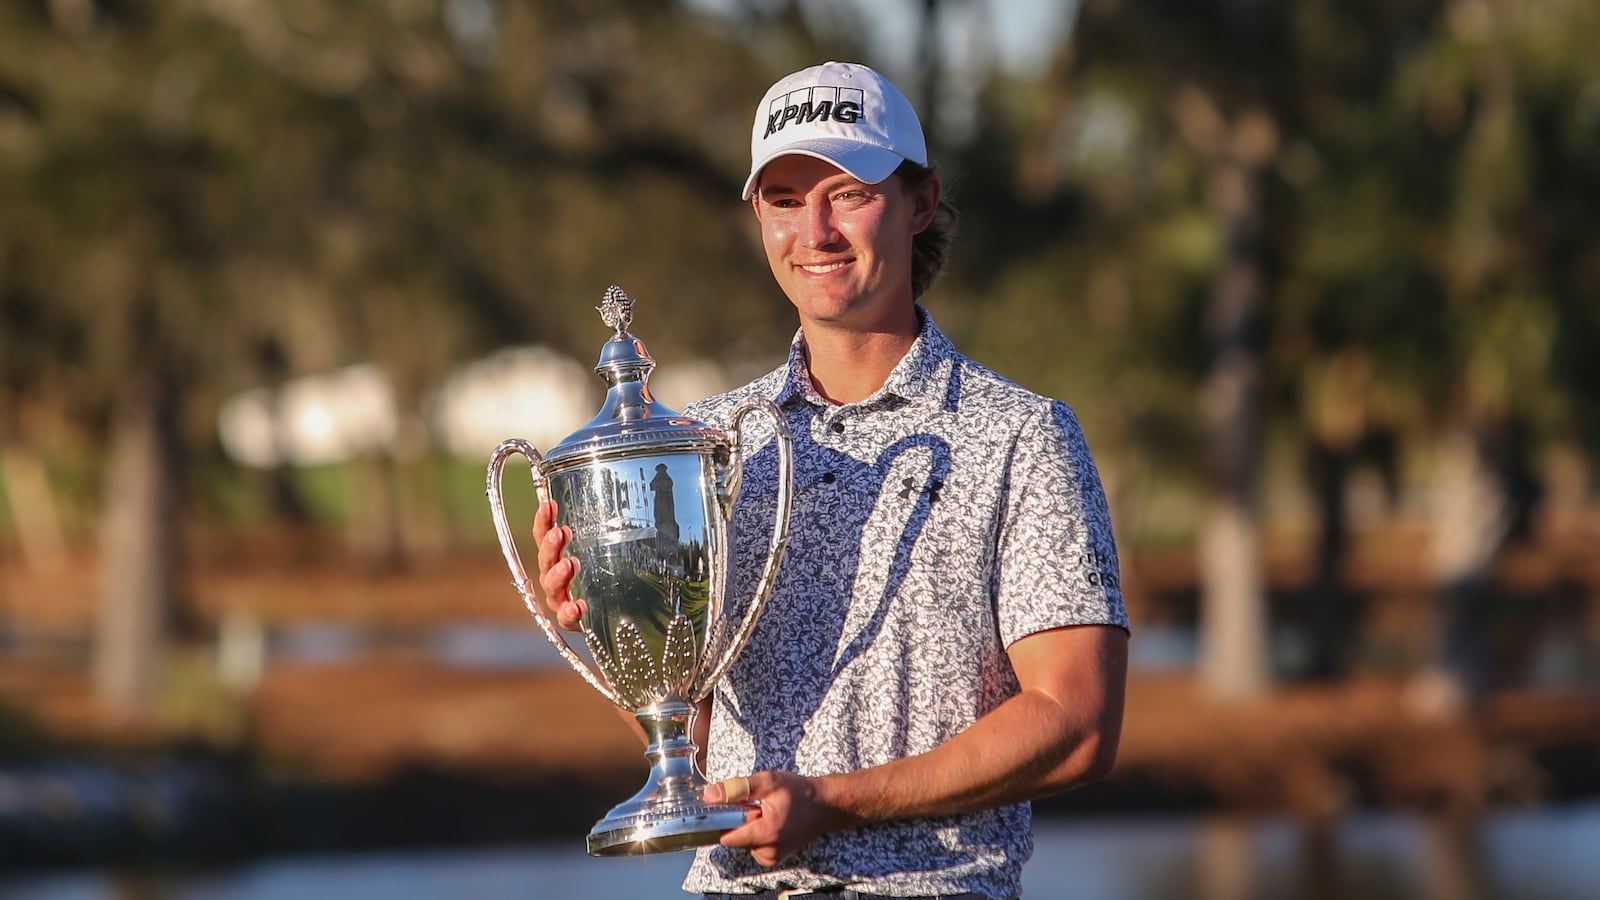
1060 731
1027 747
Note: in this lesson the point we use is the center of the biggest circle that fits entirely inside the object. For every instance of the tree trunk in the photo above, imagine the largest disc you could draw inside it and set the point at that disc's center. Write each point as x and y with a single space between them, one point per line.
1233 628
374 528
1485 495
929 71
34 511
139 549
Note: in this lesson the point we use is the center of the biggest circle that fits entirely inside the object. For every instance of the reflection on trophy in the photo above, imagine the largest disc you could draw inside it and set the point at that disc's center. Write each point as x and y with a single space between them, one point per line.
648 494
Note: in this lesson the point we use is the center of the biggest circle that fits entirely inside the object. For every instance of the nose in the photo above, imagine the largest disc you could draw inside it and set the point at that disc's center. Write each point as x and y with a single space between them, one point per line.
818 230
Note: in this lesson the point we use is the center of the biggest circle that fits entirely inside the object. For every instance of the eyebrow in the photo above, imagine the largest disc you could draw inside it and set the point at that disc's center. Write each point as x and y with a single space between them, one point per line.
844 181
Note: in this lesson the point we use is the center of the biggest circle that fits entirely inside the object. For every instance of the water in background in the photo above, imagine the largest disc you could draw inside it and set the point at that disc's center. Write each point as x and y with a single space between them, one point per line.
1548 853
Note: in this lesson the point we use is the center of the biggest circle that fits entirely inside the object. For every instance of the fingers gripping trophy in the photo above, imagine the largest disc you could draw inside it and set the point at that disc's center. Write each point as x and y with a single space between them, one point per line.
649 495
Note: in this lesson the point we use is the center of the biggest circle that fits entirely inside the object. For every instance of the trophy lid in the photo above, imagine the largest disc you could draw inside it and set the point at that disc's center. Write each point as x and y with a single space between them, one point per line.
630 422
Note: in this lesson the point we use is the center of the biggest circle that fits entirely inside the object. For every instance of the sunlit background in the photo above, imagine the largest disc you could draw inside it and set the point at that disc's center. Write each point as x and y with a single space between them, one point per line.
1321 280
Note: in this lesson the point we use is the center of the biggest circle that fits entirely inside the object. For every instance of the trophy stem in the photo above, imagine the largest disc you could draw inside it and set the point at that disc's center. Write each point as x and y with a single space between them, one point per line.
668 813
669 727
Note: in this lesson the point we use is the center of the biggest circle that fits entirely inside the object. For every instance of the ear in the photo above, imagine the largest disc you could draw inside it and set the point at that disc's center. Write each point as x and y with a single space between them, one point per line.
924 203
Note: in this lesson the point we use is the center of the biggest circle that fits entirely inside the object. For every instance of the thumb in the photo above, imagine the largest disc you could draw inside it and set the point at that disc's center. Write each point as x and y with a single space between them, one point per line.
730 790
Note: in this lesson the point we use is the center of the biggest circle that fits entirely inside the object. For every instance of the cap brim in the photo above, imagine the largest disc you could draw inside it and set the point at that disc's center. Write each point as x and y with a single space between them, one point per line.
868 162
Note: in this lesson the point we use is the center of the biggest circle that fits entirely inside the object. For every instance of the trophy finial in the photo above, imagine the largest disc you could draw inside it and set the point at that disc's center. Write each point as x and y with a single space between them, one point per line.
616 309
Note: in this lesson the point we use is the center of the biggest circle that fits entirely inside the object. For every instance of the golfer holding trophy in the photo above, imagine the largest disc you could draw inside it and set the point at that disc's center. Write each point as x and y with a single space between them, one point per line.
946 638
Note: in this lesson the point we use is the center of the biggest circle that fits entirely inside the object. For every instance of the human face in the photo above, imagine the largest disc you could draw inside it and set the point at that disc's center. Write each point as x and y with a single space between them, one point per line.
841 248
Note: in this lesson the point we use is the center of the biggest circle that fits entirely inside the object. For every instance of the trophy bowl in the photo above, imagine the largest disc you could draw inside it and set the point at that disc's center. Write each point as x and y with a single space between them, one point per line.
649 496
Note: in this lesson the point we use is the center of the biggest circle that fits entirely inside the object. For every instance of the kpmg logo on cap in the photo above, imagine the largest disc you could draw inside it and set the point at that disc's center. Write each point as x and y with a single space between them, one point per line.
815 104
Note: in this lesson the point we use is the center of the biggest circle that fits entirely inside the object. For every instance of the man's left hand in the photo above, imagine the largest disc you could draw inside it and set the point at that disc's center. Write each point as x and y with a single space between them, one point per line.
794 812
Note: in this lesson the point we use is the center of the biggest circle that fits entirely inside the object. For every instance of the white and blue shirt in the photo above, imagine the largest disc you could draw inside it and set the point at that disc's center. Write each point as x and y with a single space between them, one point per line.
935 523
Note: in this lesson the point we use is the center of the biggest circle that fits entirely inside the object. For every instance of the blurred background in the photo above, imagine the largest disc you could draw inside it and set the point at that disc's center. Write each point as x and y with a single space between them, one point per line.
1321 280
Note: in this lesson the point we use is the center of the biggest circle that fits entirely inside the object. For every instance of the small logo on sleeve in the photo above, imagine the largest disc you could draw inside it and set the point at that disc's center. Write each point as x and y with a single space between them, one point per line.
1101 570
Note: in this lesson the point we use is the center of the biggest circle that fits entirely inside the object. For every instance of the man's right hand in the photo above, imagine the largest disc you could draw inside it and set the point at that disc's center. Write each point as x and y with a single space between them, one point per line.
556 569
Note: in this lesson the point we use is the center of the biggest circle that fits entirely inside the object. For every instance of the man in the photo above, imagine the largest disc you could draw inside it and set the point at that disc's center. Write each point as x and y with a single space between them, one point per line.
946 638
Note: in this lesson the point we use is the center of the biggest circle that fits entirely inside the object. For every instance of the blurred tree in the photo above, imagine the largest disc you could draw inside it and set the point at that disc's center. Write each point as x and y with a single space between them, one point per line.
409 183
1169 116
1358 225
1503 85
1372 192
113 258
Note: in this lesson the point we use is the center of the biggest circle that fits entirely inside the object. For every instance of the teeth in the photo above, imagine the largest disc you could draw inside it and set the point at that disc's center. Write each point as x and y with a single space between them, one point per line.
818 270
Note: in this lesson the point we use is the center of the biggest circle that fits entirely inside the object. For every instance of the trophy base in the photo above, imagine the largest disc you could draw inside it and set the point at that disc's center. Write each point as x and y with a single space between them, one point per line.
681 826
668 813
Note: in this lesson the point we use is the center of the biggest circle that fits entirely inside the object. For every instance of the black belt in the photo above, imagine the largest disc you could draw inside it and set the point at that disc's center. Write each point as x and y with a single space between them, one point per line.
836 894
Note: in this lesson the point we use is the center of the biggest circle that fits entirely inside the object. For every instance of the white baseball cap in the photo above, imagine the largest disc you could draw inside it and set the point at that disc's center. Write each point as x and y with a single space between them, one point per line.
843 113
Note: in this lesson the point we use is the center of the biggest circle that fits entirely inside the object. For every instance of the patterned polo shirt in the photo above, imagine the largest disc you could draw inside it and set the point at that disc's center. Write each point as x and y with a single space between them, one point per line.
934 523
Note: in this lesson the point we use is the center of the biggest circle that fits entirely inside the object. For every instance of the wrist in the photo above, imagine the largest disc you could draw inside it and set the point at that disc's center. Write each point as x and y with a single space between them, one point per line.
842 797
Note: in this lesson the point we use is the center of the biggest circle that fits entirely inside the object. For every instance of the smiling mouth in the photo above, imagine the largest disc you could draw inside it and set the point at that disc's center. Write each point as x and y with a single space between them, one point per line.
823 268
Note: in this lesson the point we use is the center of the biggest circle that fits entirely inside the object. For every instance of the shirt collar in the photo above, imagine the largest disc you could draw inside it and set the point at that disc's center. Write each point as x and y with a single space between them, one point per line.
913 379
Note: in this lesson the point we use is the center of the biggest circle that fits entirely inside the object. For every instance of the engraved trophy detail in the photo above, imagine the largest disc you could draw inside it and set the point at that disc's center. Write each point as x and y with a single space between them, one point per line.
649 494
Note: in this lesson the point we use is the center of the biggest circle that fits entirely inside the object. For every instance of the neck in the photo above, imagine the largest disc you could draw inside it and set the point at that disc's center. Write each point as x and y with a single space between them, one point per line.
848 366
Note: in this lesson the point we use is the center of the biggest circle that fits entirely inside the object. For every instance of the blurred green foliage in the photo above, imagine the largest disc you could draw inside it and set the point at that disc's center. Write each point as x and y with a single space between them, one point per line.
229 194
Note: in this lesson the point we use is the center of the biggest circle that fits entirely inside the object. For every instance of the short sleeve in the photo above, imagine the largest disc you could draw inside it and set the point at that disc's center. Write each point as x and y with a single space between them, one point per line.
1057 563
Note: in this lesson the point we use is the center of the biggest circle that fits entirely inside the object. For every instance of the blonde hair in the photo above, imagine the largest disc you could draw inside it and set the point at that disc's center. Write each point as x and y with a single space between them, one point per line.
930 249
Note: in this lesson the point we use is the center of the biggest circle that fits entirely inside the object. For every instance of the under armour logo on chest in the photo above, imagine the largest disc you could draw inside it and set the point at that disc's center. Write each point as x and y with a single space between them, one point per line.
909 487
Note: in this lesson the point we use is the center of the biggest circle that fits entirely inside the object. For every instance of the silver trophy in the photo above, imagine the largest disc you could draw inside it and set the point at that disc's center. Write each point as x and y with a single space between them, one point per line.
648 494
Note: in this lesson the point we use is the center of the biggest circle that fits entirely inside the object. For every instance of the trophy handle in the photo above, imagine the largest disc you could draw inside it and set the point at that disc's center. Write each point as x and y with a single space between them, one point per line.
780 527
519 574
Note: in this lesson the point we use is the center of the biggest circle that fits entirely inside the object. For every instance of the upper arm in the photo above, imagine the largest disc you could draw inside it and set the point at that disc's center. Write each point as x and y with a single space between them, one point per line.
1083 671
